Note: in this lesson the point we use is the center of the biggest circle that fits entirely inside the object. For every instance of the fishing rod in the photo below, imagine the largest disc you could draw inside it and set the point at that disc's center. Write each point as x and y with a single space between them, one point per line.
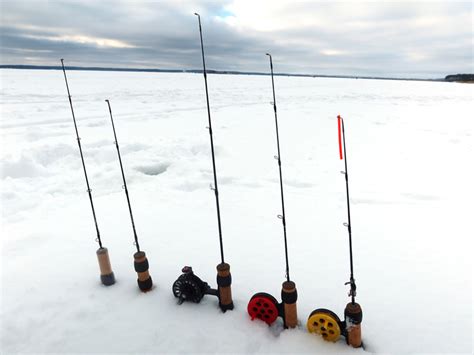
278 157
216 191
342 147
144 280
224 278
106 275
323 321
353 311
262 305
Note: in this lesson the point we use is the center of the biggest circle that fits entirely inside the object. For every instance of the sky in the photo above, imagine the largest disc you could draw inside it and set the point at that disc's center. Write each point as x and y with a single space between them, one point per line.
418 39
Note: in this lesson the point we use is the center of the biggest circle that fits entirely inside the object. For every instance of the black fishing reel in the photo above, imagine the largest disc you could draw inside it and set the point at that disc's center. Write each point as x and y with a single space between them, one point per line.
189 287
265 307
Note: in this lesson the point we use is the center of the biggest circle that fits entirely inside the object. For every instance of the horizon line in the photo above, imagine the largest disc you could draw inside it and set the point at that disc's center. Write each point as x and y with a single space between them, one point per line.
209 71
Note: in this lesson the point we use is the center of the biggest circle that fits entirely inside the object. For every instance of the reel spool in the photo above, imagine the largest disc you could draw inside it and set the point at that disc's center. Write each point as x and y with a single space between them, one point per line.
189 287
265 307
326 323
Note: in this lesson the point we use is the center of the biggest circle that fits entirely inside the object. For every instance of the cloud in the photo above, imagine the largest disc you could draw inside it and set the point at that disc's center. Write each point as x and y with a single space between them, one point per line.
415 38
99 42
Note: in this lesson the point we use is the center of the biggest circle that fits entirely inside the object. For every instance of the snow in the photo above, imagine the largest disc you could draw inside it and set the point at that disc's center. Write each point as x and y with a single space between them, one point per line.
410 148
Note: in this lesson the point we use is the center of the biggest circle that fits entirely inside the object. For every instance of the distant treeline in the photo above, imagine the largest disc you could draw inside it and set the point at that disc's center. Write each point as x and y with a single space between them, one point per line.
231 72
465 78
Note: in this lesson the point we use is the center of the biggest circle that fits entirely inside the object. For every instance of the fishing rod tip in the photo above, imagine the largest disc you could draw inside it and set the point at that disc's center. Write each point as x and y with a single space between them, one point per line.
268 54
196 14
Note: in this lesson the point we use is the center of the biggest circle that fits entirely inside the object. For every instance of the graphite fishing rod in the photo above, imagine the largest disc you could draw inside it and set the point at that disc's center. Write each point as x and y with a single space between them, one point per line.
343 156
189 287
262 305
144 280
106 275
216 191
353 311
323 321
278 157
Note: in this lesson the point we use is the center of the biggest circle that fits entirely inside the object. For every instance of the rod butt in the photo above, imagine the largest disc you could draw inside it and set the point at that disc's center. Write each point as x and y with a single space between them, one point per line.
224 282
107 277
145 283
289 295
353 317
108 280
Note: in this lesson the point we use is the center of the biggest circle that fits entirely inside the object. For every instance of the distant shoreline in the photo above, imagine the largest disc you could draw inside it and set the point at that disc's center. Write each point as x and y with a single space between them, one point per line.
198 71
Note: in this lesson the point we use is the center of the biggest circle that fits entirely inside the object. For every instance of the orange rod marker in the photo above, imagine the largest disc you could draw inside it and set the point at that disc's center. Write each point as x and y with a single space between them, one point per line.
339 135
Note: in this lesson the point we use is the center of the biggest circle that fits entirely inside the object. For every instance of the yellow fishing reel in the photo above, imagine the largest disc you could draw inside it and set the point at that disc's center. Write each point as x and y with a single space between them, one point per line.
325 323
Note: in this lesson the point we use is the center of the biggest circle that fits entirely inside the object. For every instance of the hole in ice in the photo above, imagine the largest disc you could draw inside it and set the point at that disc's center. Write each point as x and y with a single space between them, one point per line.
153 169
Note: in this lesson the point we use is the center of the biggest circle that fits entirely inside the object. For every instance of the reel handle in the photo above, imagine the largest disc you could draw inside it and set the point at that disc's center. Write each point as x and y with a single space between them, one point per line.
212 292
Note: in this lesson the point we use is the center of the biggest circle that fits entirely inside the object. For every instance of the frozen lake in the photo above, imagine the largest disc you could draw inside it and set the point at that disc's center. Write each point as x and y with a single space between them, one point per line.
410 152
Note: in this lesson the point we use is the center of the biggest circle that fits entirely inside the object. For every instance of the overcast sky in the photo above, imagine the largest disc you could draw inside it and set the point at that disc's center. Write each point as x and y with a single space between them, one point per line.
405 38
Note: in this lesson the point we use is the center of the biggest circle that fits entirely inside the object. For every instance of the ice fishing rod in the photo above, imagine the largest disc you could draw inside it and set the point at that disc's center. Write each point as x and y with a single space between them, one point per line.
353 311
323 321
343 156
182 288
263 305
106 275
144 280
278 157
216 191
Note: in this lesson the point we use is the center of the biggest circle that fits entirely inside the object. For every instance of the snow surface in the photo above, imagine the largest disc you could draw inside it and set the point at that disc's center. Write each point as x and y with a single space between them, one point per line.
410 149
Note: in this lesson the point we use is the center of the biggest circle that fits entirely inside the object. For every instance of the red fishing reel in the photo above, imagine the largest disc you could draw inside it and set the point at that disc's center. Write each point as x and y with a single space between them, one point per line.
265 307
